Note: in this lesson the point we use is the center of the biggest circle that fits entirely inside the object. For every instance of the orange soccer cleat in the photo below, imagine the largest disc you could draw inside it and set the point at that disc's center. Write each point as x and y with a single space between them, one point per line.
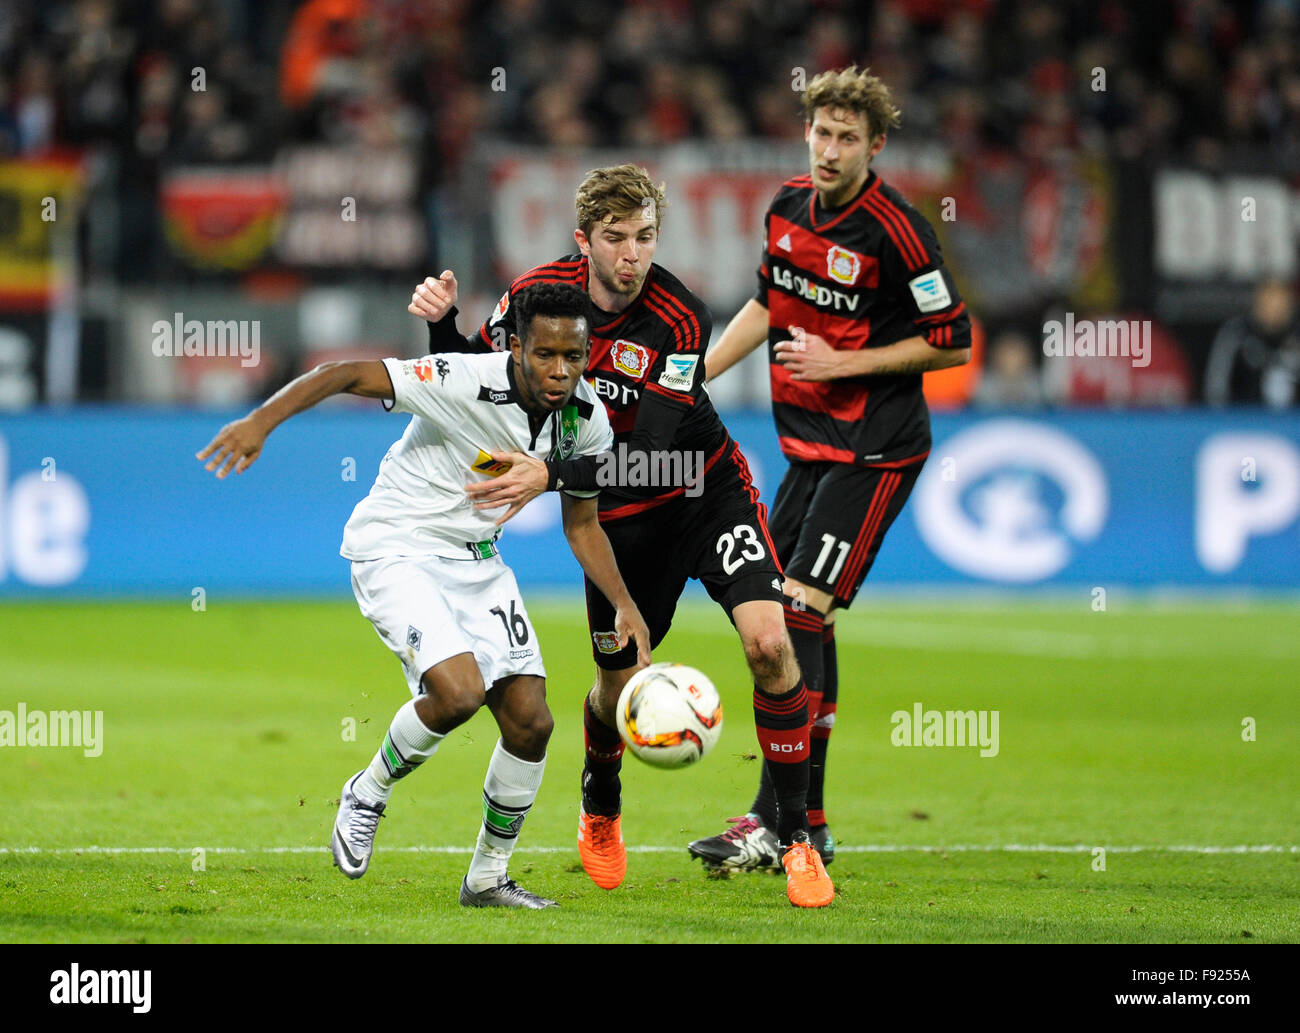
600 845
806 881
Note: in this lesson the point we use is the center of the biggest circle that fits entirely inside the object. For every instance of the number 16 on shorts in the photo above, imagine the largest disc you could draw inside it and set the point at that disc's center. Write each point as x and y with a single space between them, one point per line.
516 627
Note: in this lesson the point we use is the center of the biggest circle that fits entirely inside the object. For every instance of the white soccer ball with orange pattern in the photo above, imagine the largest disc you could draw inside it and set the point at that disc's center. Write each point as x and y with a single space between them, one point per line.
670 715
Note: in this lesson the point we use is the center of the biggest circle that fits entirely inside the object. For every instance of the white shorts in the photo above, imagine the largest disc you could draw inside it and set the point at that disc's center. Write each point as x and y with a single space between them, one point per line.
429 608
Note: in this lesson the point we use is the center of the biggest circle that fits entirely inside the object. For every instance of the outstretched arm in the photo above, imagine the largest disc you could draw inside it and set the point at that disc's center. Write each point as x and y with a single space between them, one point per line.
238 444
591 549
746 331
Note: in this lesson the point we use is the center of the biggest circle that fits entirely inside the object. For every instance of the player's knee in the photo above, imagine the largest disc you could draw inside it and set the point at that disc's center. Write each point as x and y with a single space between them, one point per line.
455 703
768 651
534 732
462 705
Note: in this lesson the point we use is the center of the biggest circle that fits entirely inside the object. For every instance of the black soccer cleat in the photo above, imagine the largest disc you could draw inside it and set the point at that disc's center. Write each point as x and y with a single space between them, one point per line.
746 846
823 842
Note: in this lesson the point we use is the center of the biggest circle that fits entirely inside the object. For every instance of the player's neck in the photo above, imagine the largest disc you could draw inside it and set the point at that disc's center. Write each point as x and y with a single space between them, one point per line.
607 300
536 411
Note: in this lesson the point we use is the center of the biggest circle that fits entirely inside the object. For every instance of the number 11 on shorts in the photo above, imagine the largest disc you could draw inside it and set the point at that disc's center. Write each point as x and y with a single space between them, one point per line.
830 543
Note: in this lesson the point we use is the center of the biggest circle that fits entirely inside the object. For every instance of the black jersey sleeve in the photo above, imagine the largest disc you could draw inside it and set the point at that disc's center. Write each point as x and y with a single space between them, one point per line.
923 287
579 474
445 337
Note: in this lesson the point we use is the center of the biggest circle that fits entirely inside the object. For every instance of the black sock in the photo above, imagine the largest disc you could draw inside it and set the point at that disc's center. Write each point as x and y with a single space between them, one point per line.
823 723
805 628
781 723
764 807
601 787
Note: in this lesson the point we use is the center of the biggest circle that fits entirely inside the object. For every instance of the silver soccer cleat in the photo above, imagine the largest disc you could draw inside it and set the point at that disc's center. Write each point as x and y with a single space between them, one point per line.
354 832
506 893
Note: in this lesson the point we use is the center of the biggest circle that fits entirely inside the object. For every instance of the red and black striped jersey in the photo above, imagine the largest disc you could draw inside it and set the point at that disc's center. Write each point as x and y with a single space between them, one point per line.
646 365
861 276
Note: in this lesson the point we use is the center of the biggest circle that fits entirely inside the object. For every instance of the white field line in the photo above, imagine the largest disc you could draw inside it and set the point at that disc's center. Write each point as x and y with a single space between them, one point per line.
869 848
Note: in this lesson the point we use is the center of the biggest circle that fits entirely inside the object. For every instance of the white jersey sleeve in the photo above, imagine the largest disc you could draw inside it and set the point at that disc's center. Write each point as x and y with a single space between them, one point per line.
433 386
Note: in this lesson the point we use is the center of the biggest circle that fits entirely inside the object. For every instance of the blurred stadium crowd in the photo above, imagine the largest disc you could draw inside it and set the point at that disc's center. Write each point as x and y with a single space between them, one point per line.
1189 76
138 87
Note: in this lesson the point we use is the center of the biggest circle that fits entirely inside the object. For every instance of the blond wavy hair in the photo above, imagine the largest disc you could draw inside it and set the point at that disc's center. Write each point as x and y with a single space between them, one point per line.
851 89
618 192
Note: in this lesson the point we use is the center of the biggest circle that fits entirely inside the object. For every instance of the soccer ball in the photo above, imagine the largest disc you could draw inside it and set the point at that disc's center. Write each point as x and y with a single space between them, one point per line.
669 715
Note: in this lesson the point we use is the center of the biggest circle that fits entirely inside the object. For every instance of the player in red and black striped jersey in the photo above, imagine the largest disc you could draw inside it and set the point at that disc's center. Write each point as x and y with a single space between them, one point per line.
646 367
855 305
696 516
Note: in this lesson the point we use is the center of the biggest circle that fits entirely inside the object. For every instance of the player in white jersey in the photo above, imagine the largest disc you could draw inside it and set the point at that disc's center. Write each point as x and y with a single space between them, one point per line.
425 567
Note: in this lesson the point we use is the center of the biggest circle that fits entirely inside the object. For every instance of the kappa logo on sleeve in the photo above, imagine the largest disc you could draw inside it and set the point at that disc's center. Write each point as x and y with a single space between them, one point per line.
679 372
425 368
930 291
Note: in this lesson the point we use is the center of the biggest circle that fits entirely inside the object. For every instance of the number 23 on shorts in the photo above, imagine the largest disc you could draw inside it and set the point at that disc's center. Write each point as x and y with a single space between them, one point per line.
746 538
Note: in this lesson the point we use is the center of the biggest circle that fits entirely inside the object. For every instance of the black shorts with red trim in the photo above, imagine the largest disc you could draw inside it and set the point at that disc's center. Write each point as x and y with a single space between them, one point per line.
830 518
719 538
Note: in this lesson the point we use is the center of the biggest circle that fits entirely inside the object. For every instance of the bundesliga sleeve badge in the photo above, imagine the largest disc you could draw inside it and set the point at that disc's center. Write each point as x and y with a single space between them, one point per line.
424 369
679 372
930 291
499 313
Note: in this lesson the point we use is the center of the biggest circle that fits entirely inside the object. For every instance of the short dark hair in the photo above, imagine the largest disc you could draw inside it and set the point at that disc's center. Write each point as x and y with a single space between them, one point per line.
560 300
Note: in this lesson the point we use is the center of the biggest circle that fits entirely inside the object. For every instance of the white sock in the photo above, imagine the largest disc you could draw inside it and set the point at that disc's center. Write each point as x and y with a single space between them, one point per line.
408 744
508 794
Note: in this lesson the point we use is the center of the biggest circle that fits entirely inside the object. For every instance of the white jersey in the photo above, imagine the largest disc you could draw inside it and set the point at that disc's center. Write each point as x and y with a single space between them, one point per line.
463 408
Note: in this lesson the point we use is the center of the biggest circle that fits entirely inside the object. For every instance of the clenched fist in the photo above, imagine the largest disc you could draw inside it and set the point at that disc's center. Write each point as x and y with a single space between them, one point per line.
433 299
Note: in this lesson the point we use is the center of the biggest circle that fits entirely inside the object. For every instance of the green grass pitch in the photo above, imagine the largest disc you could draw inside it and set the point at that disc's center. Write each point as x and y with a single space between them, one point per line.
207 815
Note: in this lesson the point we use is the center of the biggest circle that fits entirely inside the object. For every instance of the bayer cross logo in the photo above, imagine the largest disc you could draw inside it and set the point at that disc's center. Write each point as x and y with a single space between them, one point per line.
413 636
843 265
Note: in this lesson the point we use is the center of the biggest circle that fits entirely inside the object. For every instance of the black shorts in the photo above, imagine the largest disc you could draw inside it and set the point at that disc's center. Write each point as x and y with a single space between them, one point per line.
830 518
720 538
